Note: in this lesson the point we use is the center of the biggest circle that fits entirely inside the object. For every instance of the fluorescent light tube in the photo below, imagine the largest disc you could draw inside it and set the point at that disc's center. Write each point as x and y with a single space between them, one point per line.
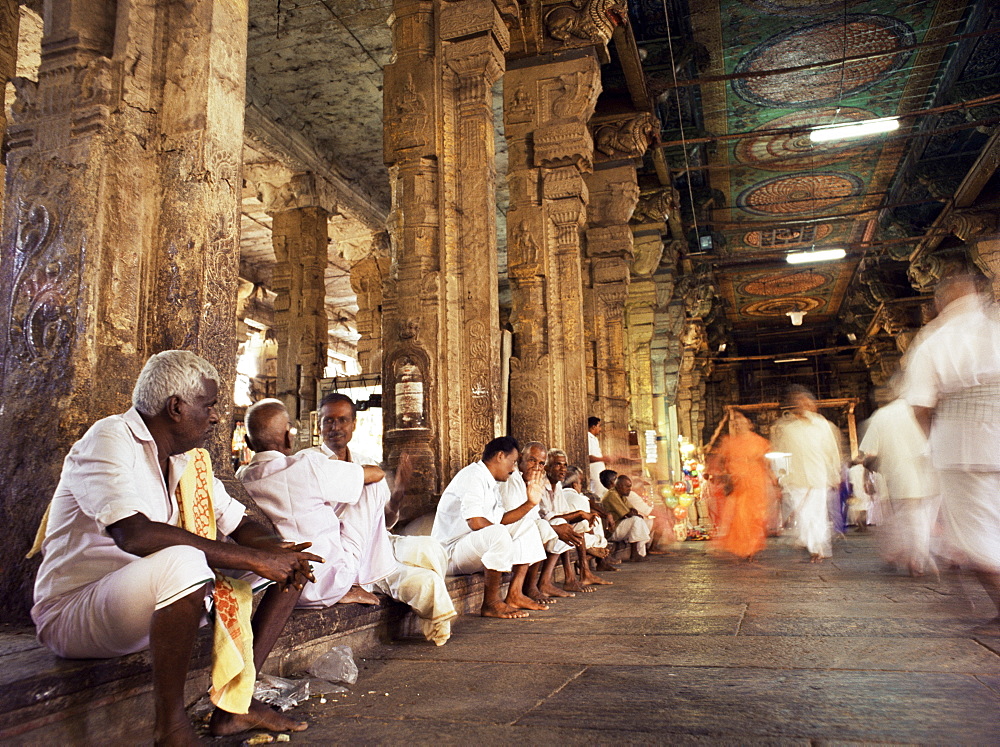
846 130
790 360
823 255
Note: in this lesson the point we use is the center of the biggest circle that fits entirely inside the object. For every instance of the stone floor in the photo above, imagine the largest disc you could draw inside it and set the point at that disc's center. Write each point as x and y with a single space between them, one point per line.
691 647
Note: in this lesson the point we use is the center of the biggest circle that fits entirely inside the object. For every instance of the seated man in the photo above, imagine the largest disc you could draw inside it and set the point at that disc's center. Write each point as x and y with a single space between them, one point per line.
302 493
628 526
418 577
555 471
573 504
130 553
478 535
557 540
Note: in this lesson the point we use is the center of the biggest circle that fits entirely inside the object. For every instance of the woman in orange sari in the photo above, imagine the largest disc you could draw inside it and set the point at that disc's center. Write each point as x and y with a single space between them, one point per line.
746 506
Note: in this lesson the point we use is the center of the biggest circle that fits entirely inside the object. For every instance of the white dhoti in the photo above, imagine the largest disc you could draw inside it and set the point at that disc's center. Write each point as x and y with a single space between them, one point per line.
632 529
364 535
550 540
111 617
908 523
497 547
419 581
592 536
812 520
970 512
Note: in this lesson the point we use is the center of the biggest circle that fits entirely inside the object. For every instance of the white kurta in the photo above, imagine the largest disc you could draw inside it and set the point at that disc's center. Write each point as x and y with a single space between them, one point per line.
418 575
814 468
568 502
514 493
596 468
956 371
93 599
472 493
302 495
898 442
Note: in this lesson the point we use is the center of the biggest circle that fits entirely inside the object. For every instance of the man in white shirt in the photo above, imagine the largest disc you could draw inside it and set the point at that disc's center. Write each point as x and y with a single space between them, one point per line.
555 470
120 575
557 539
418 575
953 385
302 495
814 469
479 535
594 455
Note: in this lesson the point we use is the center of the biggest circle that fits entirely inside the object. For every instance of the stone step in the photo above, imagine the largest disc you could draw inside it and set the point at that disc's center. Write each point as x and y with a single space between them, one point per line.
47 700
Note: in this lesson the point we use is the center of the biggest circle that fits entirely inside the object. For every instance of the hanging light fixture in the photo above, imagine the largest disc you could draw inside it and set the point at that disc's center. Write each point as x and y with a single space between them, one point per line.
848 130
796 317
822 255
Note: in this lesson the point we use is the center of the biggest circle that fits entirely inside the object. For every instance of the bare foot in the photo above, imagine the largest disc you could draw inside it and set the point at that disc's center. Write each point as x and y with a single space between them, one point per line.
554 591
501 610
357 595
815 558
541 598
598 552
590 579
577 586
605 566
522 602
261 716
636 558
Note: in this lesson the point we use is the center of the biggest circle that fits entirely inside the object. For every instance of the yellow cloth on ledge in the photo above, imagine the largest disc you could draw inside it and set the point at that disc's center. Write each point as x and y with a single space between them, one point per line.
43 525
233 673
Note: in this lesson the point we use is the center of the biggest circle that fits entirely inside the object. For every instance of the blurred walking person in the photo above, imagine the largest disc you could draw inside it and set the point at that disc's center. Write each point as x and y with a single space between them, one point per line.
894 445
953 386
742 454
813 470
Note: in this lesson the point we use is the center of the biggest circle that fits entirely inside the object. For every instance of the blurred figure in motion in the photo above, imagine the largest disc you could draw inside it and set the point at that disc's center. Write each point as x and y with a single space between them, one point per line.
813 469
953 386
742 454
895 446
861 495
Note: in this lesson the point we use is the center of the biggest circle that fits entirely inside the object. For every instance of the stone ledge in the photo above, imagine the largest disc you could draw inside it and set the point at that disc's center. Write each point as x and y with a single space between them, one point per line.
45 699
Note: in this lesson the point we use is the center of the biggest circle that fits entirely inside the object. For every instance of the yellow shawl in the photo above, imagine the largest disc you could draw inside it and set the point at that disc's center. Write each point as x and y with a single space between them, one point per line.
233 672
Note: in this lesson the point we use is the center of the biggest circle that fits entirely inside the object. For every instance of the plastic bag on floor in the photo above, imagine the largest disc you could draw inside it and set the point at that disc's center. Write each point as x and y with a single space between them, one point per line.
336 665
281 693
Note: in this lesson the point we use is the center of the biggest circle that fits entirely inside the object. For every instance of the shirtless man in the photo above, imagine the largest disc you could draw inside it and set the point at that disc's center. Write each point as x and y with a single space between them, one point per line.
120 574
479 535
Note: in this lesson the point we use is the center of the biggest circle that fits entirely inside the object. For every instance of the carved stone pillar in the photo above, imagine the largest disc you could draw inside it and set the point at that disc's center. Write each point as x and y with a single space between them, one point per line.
9 22
613 194
300 239
639 318
119 230
441 336
546 108
367 279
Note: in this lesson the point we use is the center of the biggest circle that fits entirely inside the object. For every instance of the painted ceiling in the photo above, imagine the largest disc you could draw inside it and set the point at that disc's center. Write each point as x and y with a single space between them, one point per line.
739 84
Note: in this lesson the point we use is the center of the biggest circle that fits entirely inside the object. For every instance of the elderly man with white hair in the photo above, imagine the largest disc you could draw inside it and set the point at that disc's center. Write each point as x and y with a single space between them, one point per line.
130 553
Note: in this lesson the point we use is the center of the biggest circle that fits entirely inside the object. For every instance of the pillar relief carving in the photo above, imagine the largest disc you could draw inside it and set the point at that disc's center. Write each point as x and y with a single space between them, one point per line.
550 151
627 137
367 280
440 295
115 135
609 249
980 229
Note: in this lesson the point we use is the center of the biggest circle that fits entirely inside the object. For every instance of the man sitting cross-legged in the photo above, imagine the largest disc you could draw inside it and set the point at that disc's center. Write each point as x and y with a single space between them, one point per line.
573 504
479 535
555 471
302 494
130 553
418 578
557 539
629 526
